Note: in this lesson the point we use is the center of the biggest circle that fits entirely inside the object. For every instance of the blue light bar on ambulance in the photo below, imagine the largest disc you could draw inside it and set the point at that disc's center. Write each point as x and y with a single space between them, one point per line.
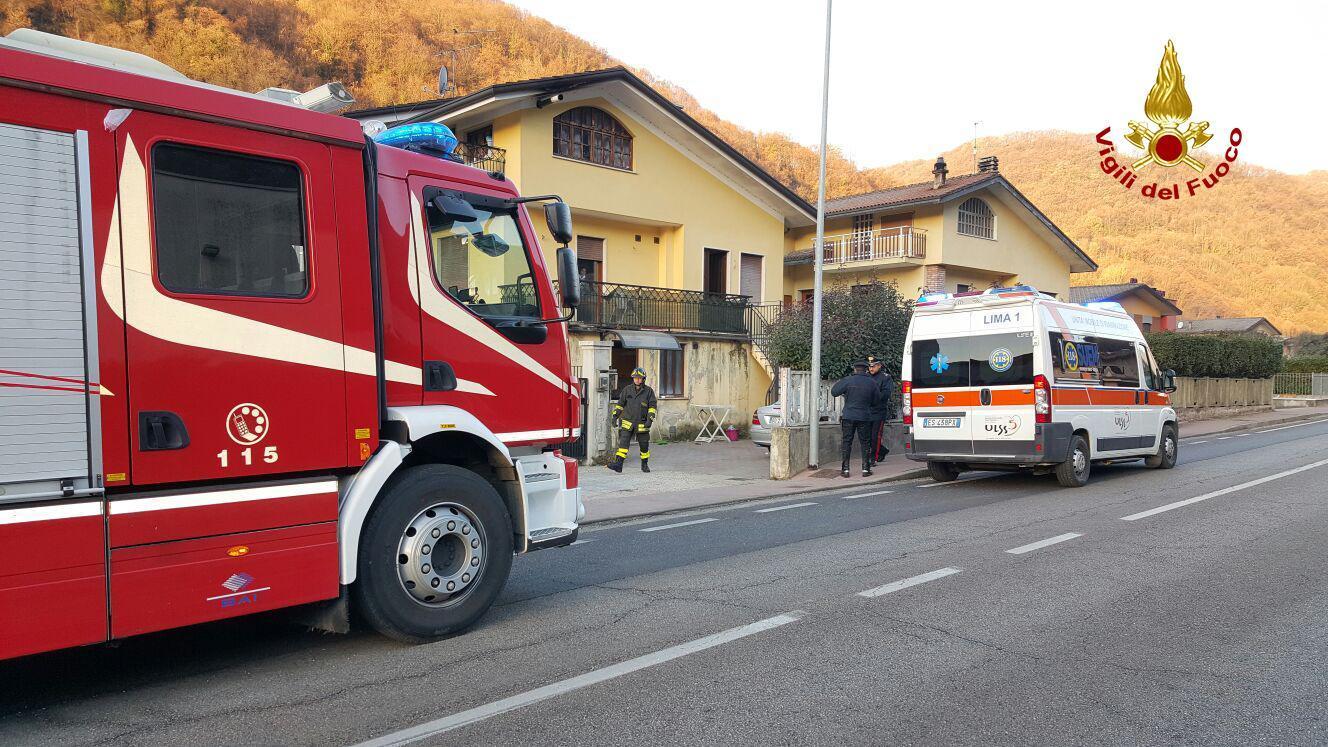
427 135
1104 306
931 299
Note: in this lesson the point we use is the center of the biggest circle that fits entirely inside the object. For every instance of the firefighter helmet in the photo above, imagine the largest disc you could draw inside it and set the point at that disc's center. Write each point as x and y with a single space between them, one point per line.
638 372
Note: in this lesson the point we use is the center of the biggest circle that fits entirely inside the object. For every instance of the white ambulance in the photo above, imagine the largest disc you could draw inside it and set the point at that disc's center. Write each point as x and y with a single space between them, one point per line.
1011 378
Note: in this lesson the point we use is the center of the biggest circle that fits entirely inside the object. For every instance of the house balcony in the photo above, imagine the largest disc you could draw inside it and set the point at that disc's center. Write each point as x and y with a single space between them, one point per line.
898 244
623 306
485 157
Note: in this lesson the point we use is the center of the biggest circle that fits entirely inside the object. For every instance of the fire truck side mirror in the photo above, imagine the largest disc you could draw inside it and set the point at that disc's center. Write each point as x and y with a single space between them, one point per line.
559 217
569 285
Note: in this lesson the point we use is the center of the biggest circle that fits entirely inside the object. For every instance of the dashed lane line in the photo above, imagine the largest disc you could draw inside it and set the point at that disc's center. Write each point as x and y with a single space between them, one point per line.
553 690
1223 491
868 495
693 522
580 542
785 508
1223 438
1030 547
1196 443
905 583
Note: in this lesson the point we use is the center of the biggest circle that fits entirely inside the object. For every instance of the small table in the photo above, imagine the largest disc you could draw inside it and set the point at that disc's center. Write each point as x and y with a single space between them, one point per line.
712 419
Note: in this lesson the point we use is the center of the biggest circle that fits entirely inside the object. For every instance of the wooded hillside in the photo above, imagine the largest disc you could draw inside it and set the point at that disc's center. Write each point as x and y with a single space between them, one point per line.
1253 246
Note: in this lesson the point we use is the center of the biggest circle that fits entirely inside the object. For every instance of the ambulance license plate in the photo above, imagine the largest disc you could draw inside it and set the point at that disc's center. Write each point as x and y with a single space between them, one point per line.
940 422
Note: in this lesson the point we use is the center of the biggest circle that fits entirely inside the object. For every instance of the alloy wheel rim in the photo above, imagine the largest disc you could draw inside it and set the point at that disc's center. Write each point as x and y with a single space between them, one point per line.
1170 446
441 555
1080 461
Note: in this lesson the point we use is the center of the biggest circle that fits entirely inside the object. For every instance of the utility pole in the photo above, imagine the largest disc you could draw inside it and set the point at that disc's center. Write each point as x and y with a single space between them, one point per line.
813 452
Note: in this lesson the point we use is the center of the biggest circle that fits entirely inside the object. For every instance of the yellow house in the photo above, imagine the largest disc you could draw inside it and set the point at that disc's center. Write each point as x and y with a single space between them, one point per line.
677 233
1149 306
965 233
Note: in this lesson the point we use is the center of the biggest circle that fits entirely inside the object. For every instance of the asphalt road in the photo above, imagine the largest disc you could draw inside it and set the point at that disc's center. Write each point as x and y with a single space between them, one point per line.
999 610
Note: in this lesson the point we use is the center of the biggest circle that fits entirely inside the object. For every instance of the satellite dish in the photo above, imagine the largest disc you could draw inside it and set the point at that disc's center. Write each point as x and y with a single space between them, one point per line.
442 80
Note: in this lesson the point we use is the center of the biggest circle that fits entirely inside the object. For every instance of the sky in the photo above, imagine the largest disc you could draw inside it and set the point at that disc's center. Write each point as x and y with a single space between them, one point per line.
909 79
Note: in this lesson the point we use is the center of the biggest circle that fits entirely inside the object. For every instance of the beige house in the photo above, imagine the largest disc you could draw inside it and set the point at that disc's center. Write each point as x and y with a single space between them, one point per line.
951 234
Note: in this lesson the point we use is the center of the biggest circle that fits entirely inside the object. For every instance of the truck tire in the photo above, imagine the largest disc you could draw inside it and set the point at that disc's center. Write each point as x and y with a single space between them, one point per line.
1073 472
434 553
1167 450
943 471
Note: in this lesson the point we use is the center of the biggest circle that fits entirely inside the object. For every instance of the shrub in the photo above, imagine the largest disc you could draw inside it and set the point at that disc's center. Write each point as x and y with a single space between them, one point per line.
1306 364
864 320
1217 356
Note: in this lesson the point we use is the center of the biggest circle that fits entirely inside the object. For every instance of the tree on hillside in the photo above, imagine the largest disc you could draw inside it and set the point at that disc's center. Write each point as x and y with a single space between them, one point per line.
857 321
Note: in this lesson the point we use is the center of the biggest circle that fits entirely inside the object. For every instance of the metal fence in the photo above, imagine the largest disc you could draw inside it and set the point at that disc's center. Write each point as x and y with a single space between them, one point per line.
795 398
623 306
1301 384
487 157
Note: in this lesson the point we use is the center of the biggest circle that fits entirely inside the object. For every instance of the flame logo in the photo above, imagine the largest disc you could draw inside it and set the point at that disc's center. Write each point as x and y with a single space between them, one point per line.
1168 104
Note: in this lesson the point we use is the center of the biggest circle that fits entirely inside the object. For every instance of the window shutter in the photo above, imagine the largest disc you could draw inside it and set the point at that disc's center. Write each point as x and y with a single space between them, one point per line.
589 247
751 277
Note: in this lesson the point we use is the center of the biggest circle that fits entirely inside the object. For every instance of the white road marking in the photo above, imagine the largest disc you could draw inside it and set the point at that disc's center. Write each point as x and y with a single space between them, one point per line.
868 495
553 690
1030 547
784 508
894 586
1223 438
1223 491
1242 435
956 482
675 526
1195 443
1294 425
580 542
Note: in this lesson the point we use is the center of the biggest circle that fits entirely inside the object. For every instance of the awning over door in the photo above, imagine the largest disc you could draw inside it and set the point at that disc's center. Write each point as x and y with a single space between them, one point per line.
643 340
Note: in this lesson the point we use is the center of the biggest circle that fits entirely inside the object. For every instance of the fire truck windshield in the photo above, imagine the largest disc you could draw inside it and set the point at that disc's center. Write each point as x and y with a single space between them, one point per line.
483 263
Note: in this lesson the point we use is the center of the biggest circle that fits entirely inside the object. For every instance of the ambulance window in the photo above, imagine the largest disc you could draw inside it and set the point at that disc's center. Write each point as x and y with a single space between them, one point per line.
940 363
1073 359
481 261
228 224
1118 363
1001 359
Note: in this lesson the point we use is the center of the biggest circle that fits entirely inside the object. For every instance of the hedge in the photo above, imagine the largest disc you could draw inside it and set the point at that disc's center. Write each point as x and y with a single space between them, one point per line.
1306 364
1217 356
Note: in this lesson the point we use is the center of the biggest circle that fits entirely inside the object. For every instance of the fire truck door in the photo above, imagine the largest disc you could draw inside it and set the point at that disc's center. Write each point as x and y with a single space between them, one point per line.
52 547
232 302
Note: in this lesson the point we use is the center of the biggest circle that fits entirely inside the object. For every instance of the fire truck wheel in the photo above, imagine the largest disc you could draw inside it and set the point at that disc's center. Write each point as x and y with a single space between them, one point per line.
943 471
1073 472
1166 451
434 553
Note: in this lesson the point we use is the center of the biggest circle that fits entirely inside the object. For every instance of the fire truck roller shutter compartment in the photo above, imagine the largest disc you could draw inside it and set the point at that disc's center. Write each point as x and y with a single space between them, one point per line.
50 432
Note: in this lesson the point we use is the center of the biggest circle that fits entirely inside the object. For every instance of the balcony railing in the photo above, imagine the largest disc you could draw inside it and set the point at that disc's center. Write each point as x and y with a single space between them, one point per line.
622 306
485 157
902 242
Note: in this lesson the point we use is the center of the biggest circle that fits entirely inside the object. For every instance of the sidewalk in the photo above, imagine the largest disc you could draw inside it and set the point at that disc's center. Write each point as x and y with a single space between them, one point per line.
691 475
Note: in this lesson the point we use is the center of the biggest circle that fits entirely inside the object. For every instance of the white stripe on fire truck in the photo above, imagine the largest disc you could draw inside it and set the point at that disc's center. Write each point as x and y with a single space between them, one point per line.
219 497
532 435
184 323
50 513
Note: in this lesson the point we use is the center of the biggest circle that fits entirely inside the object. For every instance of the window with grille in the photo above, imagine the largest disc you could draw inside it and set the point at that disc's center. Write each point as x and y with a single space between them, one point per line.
593 135
976 219
670 373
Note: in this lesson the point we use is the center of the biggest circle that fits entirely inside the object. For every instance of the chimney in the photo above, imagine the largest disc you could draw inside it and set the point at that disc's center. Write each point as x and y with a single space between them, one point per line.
1134 280
938 173
988 164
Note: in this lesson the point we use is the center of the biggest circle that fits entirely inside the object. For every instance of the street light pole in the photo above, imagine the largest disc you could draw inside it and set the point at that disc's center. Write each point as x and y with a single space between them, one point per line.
813 452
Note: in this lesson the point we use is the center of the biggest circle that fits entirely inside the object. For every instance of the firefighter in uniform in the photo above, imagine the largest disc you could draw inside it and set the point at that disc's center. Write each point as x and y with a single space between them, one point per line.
633 414
860 394
881 412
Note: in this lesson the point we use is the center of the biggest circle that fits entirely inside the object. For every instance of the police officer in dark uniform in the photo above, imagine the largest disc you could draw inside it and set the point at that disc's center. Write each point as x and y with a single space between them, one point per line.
633 415
860 394
881 412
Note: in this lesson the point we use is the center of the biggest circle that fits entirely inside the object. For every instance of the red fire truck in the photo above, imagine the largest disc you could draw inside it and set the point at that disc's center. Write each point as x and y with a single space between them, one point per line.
251 359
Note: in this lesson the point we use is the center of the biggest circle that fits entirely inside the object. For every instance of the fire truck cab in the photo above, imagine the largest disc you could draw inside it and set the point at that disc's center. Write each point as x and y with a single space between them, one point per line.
252 359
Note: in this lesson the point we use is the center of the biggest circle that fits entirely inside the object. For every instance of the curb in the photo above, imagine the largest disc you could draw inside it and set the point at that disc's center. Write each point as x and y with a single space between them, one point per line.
1250 426
910 475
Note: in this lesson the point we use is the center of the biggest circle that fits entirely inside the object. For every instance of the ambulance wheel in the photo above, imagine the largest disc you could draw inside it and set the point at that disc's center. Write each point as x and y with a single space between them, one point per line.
1073 472
943 471
434 553
1166 451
